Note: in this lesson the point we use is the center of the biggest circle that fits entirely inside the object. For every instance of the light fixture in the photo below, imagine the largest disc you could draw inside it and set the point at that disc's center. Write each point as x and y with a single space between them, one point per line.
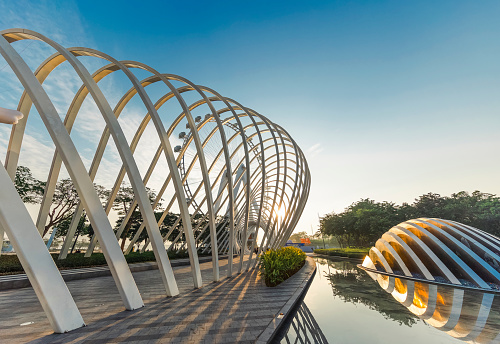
8 116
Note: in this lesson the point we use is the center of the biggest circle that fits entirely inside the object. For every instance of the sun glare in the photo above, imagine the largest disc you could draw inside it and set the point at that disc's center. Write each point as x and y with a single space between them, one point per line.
281 212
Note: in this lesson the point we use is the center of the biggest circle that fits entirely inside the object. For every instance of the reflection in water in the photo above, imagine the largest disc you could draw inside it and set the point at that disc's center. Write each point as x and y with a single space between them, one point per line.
303 328
350 284
469 315
351 309
450 275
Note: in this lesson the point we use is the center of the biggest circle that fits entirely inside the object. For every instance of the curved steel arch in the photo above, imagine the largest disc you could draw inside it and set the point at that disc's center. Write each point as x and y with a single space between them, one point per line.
243 183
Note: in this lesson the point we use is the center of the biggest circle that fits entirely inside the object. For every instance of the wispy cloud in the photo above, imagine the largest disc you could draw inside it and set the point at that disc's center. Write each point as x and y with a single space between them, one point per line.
314 150
61 22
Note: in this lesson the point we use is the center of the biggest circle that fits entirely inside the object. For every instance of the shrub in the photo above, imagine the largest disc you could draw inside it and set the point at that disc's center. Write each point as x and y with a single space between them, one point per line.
280 264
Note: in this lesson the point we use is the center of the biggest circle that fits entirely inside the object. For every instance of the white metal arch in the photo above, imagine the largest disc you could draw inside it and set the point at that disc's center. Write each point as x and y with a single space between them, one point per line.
239 198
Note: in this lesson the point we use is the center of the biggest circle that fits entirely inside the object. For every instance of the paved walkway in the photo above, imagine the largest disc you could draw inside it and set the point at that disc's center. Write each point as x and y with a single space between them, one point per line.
235 310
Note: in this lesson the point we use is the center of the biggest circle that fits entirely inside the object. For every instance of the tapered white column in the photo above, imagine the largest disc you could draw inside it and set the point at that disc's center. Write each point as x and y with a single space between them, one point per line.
41 270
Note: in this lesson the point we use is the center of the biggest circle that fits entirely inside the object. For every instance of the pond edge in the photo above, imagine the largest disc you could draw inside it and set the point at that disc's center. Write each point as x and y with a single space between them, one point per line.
306 273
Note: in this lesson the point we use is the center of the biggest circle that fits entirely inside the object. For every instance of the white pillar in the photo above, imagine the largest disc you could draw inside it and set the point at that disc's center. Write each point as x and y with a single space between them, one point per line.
41 270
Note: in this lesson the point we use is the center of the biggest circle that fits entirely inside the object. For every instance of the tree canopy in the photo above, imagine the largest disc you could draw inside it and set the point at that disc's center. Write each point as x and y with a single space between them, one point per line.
364 221
29 188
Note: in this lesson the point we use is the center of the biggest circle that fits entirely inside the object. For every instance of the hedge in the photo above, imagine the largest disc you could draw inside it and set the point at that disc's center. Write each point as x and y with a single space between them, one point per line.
358 253
9 264
279 264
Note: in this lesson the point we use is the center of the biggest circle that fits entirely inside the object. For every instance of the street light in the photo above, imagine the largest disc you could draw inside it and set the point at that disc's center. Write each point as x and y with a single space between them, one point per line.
8 116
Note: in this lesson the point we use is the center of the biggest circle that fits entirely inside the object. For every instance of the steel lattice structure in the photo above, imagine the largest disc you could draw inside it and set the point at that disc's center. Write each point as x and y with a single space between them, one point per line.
237 171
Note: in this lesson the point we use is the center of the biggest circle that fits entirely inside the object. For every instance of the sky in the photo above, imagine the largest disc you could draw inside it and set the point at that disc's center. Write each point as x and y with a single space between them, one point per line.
389 100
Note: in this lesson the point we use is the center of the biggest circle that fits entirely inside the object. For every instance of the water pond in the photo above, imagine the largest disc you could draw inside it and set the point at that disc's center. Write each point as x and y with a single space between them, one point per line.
344 305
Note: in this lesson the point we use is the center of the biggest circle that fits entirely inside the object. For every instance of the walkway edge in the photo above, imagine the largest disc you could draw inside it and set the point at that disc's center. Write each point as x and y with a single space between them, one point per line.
274 326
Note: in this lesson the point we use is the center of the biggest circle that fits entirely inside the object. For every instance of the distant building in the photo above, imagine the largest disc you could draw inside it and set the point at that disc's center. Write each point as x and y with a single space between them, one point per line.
300 245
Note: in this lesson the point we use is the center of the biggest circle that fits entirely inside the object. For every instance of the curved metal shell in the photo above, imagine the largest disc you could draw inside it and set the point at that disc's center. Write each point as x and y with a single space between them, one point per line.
439 250
446 254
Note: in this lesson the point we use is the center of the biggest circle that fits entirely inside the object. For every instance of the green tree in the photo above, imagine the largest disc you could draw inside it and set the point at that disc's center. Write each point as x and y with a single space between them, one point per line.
165 226
295 237
122 204
363 222
64 203
29 188
83 228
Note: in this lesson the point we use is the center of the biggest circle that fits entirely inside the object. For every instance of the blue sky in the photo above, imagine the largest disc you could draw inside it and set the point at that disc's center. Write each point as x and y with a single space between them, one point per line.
389 99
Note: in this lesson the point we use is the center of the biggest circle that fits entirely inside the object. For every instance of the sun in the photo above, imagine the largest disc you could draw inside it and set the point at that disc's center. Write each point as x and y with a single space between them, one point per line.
281 212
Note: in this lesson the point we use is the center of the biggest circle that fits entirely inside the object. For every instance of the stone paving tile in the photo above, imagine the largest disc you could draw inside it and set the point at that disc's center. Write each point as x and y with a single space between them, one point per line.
234 310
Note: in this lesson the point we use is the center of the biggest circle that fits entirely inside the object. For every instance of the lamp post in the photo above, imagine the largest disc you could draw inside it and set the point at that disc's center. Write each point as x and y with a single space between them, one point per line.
8 116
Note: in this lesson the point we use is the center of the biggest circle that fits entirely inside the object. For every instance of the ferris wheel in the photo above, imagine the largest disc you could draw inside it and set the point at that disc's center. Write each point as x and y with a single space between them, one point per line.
212 150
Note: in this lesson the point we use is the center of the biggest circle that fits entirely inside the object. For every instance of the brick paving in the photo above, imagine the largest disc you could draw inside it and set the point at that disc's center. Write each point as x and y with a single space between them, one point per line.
235 310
